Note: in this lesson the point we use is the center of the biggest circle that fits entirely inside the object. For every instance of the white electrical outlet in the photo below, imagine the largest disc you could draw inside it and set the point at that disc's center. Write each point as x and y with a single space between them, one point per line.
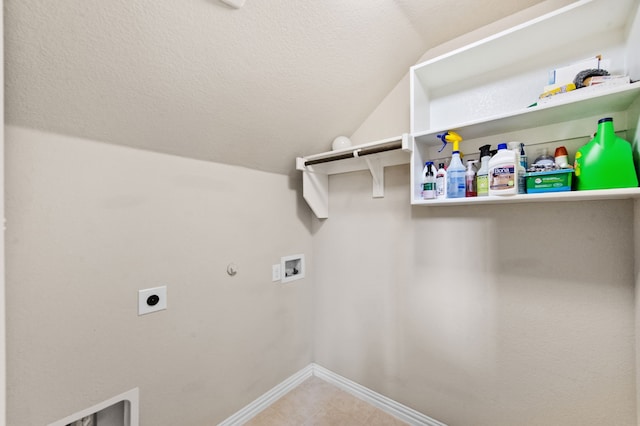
152 300
275 272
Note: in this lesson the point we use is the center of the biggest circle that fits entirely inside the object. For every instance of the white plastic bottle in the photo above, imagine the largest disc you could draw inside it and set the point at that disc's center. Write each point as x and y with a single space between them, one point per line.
428 188
441 182
482 177
503 172
456 177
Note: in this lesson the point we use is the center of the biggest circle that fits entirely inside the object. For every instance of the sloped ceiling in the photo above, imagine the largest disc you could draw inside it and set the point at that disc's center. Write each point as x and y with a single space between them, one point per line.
255 86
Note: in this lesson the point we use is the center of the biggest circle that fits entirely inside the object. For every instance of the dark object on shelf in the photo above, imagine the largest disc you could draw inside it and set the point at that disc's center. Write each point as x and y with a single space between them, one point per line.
583 75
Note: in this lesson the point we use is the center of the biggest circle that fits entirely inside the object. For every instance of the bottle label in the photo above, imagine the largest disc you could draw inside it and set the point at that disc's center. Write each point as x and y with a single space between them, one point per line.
483 185
522 184
471 187
503 178
455 184
428 190
440 186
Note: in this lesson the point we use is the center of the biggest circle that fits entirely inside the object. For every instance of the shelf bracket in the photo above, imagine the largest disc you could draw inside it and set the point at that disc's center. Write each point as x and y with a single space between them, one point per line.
315 191
377 176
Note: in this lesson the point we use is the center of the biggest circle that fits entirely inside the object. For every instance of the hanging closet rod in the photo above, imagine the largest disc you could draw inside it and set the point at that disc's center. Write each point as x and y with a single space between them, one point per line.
359 152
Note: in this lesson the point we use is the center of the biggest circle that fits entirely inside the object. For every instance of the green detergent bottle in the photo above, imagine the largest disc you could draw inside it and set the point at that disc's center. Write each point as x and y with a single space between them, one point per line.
606 161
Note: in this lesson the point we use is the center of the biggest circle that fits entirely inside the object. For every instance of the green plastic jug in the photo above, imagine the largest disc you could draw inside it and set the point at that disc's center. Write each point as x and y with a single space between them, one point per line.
606 161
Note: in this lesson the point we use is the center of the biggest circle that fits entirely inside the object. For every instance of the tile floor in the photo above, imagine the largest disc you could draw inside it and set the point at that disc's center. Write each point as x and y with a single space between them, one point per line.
317 403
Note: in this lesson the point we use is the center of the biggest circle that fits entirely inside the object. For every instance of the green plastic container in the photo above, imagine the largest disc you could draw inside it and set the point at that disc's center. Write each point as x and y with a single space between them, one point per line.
606 161
549 181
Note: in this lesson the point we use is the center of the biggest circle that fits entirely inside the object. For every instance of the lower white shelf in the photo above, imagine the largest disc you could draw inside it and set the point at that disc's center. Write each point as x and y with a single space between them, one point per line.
600 194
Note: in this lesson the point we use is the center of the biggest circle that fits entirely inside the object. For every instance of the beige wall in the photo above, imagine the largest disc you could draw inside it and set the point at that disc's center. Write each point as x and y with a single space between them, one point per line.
3 335
479 315
635 142
636 228
88 224
389 119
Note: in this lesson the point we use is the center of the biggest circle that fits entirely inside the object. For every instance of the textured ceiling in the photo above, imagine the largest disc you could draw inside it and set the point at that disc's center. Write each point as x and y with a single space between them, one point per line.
255 86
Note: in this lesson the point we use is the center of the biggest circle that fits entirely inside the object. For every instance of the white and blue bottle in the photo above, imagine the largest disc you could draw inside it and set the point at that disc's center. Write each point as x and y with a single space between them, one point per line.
456 177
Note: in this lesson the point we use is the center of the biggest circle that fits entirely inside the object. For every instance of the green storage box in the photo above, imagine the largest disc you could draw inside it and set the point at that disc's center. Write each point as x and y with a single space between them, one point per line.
549 181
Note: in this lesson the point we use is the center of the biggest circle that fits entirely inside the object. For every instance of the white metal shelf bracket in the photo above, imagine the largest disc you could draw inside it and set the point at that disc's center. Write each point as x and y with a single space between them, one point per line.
377 176
315 191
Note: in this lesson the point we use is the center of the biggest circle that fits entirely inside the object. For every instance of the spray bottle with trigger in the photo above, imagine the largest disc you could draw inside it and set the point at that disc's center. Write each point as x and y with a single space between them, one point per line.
441 182
456 170
471 189
482 177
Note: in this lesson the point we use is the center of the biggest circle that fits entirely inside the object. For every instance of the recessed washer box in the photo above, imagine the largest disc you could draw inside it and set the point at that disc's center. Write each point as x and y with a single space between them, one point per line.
292 267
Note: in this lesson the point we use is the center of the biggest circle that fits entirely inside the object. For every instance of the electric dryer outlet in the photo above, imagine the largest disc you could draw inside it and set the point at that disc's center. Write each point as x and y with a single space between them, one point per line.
152 300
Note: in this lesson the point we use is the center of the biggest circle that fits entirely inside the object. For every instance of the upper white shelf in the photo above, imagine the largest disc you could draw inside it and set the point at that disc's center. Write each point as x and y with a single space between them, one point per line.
373 156
391 151
562 108
497 77
571 24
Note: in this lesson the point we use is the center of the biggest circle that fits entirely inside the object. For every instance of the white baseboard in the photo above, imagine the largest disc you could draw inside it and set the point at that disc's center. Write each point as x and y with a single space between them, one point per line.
385 404
271 396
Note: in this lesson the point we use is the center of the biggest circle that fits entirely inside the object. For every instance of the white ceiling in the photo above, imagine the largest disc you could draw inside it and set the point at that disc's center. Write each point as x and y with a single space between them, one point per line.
255 86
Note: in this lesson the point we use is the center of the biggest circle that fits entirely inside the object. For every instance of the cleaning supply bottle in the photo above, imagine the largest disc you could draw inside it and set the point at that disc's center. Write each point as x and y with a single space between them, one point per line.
482 177
522 180
441 182
428 182
456 177
470 189
606 161
524 160
456 170
503 172
561 157
524 163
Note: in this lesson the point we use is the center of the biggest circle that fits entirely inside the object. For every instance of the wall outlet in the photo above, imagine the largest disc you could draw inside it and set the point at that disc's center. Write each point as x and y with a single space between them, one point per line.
275 272
152 300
